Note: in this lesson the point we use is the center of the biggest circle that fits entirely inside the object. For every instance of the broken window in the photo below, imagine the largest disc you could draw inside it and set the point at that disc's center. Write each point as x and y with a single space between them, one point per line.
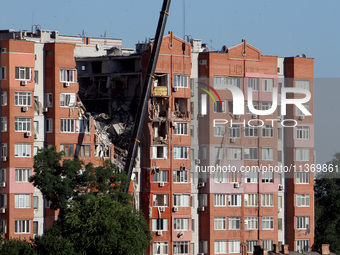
160 200
160 107
160 132
159 152
101 151
161 85
67 99
83 125
181 107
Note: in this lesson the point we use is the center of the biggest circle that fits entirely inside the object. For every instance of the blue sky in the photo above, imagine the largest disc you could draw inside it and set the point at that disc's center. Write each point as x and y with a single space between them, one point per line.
276 27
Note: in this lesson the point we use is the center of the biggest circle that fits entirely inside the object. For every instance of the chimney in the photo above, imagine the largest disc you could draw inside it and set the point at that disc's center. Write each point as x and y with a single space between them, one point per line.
285 249
265 251
325 249
276 248
258 250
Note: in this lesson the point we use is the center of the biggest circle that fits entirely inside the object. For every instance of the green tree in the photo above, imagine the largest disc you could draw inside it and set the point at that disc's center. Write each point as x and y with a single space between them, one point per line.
16 247
327 206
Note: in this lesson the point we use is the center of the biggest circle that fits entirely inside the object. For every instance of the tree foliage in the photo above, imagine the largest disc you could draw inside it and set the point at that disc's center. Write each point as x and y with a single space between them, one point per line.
16 247
327 206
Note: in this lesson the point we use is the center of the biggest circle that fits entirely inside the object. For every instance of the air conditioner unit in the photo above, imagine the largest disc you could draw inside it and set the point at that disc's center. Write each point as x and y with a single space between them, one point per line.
2 184
24 109
301 117
2 210
175 209
280 187
236 185
161 184
23 83
201 184
175 89
254 116
232 139
28 134
182 168
201 208
237 116
197 161
45 109
159 233
66 84
162 209
3 158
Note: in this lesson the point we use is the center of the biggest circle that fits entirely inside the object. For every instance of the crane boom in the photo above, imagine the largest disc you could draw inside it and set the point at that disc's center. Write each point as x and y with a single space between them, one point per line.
143 104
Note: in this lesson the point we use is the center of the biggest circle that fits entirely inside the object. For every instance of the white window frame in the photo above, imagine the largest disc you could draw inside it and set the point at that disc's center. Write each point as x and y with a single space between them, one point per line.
267 177
48 99
83 125
267 200
3 98
251 153
220 177
234 246
302 133
251 200
181 81
220 247
302 200
298 112
181 128
253 83
22 174
3 121
22 201
234 153
155 152
181 224
251 223
302 245
302 154
181 200
250 131
181 247
255 105
268 244
25 150
235 131
22 226
220 200
23 73
181 152
3 149
220 82
2 72
267 223
159 224
181 176
67 125
267 84
67 75
267 154
234 200
234 223
219 152
22 124
22 98
235 81
160 248
302 84
220 223
67 99
158 198
218 108
302 222
160 176
251 244
251 177
219 130
302 177
49 125
266 106
267 131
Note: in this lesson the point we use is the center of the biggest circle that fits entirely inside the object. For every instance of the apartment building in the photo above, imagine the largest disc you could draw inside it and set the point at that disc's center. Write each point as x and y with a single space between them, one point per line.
254 208
40 107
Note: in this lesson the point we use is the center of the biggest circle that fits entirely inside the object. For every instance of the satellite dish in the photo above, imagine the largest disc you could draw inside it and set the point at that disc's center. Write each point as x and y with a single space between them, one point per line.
224 49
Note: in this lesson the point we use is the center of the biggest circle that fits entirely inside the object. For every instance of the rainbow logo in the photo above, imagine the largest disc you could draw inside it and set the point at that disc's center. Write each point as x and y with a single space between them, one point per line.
209 93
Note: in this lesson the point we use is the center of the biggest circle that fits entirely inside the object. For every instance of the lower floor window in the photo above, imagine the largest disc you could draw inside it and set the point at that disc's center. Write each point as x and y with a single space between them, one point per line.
234 246
21 226
22 150
250 245
160 248
67 149
268 244
181 247
220 247
302 245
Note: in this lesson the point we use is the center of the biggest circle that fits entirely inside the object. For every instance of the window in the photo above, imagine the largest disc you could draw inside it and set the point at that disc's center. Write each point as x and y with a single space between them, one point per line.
181 81
220 247
230 107
266 105
268 244
267 85
48 100
22 98
160 176
181 224
251 153
235 153
302 133
253 83
66 75
21 226
250 131
102 151
220 200
267 154
251 244
3 98
234 246
255 105
234 223
234 200
302 84
160 248
83 125
160 152
3 200
202 199
22 175
22 73
181 128
49 125
236 81
22 124
251 199
219 81
192 248
302 177
22 200
35 227
36 77
302 222
3 149
67 149
302 200
267 223
220 108
3 124
251 223
36 127
280 226
220 177
181 247
267 177
35 202
3 226
302 245
251 177
267 131
67 100
67 125
160 199
219 130
181 200
220 223
83 150
22 150
280 201
235 131
159 224
2 73
233 177
298 112
302 154
181 152
219 152
267 200
181 176
2 175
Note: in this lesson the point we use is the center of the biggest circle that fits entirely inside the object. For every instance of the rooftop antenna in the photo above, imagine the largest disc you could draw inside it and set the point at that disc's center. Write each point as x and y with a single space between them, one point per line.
183 1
